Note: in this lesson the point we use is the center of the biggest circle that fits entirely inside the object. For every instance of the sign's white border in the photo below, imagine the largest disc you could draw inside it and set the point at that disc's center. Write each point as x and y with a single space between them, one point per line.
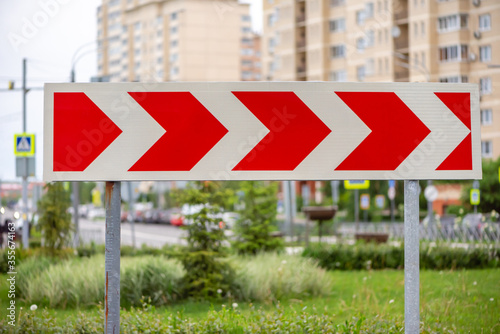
140 131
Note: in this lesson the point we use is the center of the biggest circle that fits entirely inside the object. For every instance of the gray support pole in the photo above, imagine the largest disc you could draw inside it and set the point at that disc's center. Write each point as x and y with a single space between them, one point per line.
76 194
412 289
112 259
430 212
290 206
25 169
356 209
335 191
76 218
393 208
131 211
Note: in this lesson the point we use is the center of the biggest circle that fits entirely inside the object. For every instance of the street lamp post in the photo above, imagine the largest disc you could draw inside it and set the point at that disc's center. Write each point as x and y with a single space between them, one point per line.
76 186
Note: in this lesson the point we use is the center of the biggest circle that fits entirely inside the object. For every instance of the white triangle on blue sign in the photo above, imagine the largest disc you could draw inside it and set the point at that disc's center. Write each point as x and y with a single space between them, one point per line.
24 144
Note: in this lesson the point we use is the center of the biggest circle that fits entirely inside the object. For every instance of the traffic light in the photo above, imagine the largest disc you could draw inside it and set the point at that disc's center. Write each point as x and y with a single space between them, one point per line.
11 85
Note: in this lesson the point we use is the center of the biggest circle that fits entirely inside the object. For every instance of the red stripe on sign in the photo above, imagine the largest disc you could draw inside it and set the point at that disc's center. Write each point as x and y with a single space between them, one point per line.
81 132
192 131
396 131
461 157
294 131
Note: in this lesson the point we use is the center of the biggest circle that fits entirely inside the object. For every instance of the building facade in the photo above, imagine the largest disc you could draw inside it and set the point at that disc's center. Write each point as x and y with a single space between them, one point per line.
389 40
172 40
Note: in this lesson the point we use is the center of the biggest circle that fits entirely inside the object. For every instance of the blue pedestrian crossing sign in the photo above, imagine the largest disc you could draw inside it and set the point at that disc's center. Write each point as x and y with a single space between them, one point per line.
24 144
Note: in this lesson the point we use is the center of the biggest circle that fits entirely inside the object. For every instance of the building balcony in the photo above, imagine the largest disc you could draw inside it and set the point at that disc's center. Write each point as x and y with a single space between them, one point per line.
301 44
401 44
301 71
402 76
401 15
301 18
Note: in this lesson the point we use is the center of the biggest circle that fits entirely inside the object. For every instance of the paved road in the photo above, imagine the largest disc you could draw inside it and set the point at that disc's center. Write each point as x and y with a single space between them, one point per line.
149 234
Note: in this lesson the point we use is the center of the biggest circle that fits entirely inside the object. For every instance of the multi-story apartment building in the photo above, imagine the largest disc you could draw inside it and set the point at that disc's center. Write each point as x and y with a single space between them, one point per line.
172 40
389 40
250 59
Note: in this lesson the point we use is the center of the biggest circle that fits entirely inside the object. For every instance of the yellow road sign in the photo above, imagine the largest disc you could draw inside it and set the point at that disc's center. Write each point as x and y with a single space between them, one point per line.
356 184
24 144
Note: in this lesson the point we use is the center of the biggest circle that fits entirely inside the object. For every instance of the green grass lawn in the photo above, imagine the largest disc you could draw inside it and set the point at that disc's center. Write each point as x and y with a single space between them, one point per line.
465 301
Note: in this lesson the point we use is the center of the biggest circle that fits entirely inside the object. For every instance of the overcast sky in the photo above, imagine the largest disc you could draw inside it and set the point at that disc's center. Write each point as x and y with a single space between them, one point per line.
48 33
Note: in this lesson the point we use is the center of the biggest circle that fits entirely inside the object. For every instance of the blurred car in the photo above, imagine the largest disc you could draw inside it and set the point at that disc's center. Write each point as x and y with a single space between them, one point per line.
227 219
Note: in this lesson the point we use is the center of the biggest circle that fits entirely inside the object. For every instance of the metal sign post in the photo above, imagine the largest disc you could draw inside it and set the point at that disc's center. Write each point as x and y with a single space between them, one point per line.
112 258
412 289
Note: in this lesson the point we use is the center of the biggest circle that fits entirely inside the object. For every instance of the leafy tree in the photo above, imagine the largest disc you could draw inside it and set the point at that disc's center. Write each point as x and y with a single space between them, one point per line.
257 219
55 221
206 272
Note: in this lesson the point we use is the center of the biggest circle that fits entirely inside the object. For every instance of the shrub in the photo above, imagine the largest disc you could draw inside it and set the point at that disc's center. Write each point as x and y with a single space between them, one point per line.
373 256
154 277
206 271
55 221
271 277
253 229
79 282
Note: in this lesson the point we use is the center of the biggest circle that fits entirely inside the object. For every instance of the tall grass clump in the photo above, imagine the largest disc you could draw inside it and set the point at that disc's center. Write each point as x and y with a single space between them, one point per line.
80 282
73 283
270 277
157 278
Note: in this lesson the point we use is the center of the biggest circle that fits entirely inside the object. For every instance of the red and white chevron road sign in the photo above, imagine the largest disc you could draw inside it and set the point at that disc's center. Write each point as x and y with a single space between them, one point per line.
261 130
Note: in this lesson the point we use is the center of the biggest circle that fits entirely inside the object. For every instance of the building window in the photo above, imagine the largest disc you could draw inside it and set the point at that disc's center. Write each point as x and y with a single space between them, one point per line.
369 9
246 75
246 30
486 117
247 41
370 66
338 76
360 73
487 149
422 28
452 22
484 22
245 18
423 60
455 79
485 53
337 25
159 60
272 44
453 53
360 44
173 30
337 51
360 17
173 16
370 38
485 86
415 29
174 71
174 43
335 3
